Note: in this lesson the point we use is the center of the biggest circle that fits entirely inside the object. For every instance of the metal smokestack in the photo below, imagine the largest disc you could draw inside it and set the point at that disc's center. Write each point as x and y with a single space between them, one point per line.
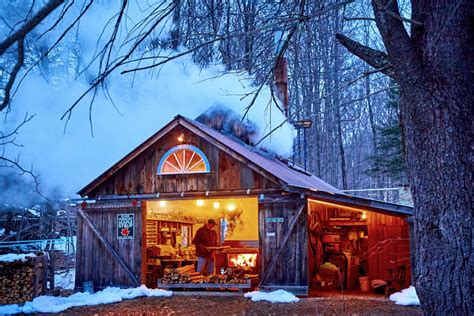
280 73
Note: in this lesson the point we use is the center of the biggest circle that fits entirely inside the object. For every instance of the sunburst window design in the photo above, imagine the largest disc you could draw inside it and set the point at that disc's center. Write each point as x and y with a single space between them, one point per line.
183 159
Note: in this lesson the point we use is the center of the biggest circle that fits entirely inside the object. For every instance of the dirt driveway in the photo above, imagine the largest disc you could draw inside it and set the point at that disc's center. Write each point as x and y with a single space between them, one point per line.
237 305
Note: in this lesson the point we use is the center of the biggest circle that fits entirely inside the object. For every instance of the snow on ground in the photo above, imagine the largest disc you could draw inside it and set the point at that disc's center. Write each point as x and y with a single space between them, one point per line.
406 297
278 296
65 279
10 257
53 304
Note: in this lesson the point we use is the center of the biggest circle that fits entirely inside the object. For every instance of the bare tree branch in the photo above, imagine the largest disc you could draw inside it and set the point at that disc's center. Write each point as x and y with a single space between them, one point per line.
30 24
398 43
14 73
117 64
26 119
373 57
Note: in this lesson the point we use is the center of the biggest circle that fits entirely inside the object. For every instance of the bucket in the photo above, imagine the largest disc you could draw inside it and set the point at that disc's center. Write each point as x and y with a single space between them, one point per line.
364 284
88 286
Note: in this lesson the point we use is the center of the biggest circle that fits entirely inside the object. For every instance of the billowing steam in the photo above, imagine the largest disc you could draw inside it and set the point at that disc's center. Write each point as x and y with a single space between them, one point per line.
223 119
145 102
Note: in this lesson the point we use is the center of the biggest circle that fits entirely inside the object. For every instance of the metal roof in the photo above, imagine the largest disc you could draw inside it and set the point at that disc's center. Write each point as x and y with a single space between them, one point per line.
291 175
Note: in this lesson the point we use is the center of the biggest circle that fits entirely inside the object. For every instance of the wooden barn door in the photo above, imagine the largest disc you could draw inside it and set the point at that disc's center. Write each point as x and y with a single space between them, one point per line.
109 240
283 245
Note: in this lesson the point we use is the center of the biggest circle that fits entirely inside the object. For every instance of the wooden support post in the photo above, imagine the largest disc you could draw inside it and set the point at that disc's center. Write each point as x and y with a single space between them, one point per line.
35 277
49 267
44 273
108 247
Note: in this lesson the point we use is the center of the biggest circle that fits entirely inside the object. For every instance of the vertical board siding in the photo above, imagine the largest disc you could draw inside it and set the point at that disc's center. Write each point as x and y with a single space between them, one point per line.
291 268
389 237
140 176
93 260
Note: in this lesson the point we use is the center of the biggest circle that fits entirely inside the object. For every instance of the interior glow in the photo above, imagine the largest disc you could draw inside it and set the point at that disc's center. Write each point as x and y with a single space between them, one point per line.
162 203
216 204
248 229
200 202
245 260
337 205
231 207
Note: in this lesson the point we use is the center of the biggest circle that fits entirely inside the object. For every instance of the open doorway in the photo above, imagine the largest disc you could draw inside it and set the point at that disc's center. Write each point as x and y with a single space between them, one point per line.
170 256
356 249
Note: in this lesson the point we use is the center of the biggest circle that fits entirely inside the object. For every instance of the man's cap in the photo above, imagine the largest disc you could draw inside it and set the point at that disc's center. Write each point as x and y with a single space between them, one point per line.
211 221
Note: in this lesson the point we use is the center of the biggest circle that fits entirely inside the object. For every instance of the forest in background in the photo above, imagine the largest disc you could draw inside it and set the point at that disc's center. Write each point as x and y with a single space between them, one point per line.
355 139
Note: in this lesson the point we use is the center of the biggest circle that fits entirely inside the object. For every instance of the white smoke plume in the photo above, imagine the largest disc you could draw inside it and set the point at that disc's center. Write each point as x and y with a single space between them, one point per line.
70 159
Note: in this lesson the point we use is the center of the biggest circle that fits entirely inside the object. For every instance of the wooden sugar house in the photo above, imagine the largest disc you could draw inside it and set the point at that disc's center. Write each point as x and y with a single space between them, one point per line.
289 229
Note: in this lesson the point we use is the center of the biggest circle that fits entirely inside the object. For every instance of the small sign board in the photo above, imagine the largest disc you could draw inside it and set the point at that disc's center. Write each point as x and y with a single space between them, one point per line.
275 220
125 226
270 234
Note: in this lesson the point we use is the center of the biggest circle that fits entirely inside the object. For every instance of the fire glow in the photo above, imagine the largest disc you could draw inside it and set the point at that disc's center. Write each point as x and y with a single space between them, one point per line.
245 260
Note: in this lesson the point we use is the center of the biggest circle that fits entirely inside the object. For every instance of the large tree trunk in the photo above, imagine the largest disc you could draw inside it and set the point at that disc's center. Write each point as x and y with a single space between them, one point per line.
438 132
436 104
434 69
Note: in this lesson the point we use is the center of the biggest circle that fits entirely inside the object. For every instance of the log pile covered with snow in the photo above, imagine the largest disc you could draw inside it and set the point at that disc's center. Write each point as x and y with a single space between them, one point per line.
22 277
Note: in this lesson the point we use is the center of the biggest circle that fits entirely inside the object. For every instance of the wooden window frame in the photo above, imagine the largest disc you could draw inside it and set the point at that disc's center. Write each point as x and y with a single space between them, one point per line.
173 150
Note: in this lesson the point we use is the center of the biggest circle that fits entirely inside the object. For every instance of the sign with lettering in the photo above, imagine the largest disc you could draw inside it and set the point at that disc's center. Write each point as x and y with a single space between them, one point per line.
270 234
125 226
275 220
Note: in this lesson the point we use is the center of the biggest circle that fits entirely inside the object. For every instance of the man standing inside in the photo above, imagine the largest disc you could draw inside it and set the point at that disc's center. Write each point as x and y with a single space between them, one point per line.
205 237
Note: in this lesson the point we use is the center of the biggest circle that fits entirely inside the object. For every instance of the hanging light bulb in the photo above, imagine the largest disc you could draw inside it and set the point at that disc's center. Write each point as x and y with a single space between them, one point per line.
181 138
216 204
231 207
364 215
200 202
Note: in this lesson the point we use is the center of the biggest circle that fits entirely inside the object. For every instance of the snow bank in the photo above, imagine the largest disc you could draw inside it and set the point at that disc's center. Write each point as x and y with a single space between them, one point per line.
10 257
52 304
65 279
406 297
278 296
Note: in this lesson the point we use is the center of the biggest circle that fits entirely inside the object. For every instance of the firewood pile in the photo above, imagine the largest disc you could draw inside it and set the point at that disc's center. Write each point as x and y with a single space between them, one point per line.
22 280
187 274
230 276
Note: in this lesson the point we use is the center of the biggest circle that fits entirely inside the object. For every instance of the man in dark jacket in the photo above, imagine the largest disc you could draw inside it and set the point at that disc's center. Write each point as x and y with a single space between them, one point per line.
205 237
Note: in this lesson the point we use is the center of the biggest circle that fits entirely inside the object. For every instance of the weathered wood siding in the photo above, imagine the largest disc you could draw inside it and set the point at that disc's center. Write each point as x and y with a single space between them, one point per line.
93 261
139 176
284 256
389 245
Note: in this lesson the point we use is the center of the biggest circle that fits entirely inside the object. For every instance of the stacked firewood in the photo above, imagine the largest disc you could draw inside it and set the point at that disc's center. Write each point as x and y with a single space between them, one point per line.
185 274
230 276
18 282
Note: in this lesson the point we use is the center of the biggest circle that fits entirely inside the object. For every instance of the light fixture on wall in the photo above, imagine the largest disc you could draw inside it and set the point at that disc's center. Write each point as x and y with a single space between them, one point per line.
162 203
231 207
200 202
363 216
216 204
181 138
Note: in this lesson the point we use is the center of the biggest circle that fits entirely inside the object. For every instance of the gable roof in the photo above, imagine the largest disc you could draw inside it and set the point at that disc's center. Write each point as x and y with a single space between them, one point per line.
291 176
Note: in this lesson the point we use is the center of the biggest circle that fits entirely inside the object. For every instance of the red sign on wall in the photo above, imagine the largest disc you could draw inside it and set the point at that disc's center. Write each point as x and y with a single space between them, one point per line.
125 226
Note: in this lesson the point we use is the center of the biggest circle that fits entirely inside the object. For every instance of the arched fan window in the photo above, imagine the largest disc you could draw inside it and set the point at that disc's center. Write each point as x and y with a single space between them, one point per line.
183 159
